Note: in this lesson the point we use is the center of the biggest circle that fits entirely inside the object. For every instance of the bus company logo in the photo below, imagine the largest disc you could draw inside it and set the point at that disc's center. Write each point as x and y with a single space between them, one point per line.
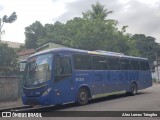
6 114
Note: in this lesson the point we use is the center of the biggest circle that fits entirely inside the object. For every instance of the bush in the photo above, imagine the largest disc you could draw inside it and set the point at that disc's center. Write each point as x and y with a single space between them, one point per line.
8 60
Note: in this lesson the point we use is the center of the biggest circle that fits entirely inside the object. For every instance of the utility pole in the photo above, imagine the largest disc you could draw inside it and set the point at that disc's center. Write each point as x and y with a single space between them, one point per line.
1 31
157 67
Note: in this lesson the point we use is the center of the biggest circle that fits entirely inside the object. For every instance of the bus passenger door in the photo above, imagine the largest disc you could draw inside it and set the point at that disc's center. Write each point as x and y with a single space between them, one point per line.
63 85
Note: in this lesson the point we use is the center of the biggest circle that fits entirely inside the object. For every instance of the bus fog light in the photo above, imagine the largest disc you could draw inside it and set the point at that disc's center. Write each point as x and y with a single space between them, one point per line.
46 92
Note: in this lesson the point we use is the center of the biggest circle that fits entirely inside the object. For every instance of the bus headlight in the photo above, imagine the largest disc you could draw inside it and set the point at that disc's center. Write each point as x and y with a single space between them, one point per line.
46 92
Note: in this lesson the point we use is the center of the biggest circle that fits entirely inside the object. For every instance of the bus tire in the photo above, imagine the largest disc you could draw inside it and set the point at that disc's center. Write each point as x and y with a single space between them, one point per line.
83 96
133 89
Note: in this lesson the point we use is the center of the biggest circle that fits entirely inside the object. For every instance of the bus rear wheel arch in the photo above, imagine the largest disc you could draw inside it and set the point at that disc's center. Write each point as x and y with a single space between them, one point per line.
83 96
133 89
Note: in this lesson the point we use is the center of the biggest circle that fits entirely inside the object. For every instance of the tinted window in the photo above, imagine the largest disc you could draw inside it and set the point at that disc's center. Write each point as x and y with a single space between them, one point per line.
62 68
113 63
135 65
99 63
125 64
142 65
147 66
82 62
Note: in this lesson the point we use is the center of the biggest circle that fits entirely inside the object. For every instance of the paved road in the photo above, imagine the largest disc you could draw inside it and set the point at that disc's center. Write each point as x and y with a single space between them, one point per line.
146 100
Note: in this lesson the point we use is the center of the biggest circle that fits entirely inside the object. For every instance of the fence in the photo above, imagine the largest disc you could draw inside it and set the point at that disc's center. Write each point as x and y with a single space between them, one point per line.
8 72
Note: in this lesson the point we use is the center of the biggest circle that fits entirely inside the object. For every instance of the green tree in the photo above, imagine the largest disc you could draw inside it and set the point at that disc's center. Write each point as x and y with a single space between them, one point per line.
92 35
98 12
33 33
21 47
8 59
55 32
146 45
91 32
6 19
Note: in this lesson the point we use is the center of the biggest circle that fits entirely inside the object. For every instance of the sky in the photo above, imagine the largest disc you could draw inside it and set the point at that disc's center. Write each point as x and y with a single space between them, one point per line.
141 16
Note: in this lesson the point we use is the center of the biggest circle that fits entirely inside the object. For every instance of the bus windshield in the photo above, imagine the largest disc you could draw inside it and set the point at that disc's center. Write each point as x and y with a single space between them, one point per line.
38 69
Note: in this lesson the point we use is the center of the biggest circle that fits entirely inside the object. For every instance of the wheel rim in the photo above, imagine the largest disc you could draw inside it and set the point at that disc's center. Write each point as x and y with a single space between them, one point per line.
83 96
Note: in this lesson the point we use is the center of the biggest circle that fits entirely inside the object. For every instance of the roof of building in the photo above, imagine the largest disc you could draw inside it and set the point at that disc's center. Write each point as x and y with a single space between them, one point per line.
13 44
26 52
46 45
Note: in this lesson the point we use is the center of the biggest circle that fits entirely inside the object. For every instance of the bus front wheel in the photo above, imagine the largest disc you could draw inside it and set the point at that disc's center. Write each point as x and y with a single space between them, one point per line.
83 96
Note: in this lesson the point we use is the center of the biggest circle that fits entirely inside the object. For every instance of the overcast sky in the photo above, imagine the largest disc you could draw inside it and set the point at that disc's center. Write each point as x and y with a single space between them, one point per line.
142 16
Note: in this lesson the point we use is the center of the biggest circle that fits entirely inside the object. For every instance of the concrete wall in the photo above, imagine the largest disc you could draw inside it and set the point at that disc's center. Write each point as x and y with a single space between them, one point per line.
9 87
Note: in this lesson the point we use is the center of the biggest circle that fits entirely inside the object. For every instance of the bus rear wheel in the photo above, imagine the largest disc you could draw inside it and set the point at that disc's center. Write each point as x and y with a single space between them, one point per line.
133 89
83 96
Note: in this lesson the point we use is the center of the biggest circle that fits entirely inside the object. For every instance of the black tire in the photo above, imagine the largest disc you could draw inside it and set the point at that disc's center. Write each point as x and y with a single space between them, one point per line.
133 89
83 96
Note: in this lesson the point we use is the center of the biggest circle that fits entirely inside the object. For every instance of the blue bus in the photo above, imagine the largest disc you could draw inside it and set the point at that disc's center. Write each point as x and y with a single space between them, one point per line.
65 75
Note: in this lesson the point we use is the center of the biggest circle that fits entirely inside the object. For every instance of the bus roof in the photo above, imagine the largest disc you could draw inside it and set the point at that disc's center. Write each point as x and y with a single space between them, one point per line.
96 52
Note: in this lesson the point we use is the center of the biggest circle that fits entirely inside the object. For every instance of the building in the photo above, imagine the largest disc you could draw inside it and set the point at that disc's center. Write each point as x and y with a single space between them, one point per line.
48 45
26 53
13 44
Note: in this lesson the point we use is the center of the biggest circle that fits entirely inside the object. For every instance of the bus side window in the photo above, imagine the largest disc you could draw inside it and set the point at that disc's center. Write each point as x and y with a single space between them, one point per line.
147 65
82 62
125 64
99 63
63 68
143 65
135 65
113 63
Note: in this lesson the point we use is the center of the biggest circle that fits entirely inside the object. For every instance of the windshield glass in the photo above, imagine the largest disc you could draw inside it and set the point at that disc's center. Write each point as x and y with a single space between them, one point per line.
38 69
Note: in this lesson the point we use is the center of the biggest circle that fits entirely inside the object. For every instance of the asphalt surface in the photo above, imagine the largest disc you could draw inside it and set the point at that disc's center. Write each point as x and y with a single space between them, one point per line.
146 100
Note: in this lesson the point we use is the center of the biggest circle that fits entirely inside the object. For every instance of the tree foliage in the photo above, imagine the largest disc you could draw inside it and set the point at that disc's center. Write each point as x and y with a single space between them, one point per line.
33 33
8 59
9 19
146 46
92 32
6 19
98 12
